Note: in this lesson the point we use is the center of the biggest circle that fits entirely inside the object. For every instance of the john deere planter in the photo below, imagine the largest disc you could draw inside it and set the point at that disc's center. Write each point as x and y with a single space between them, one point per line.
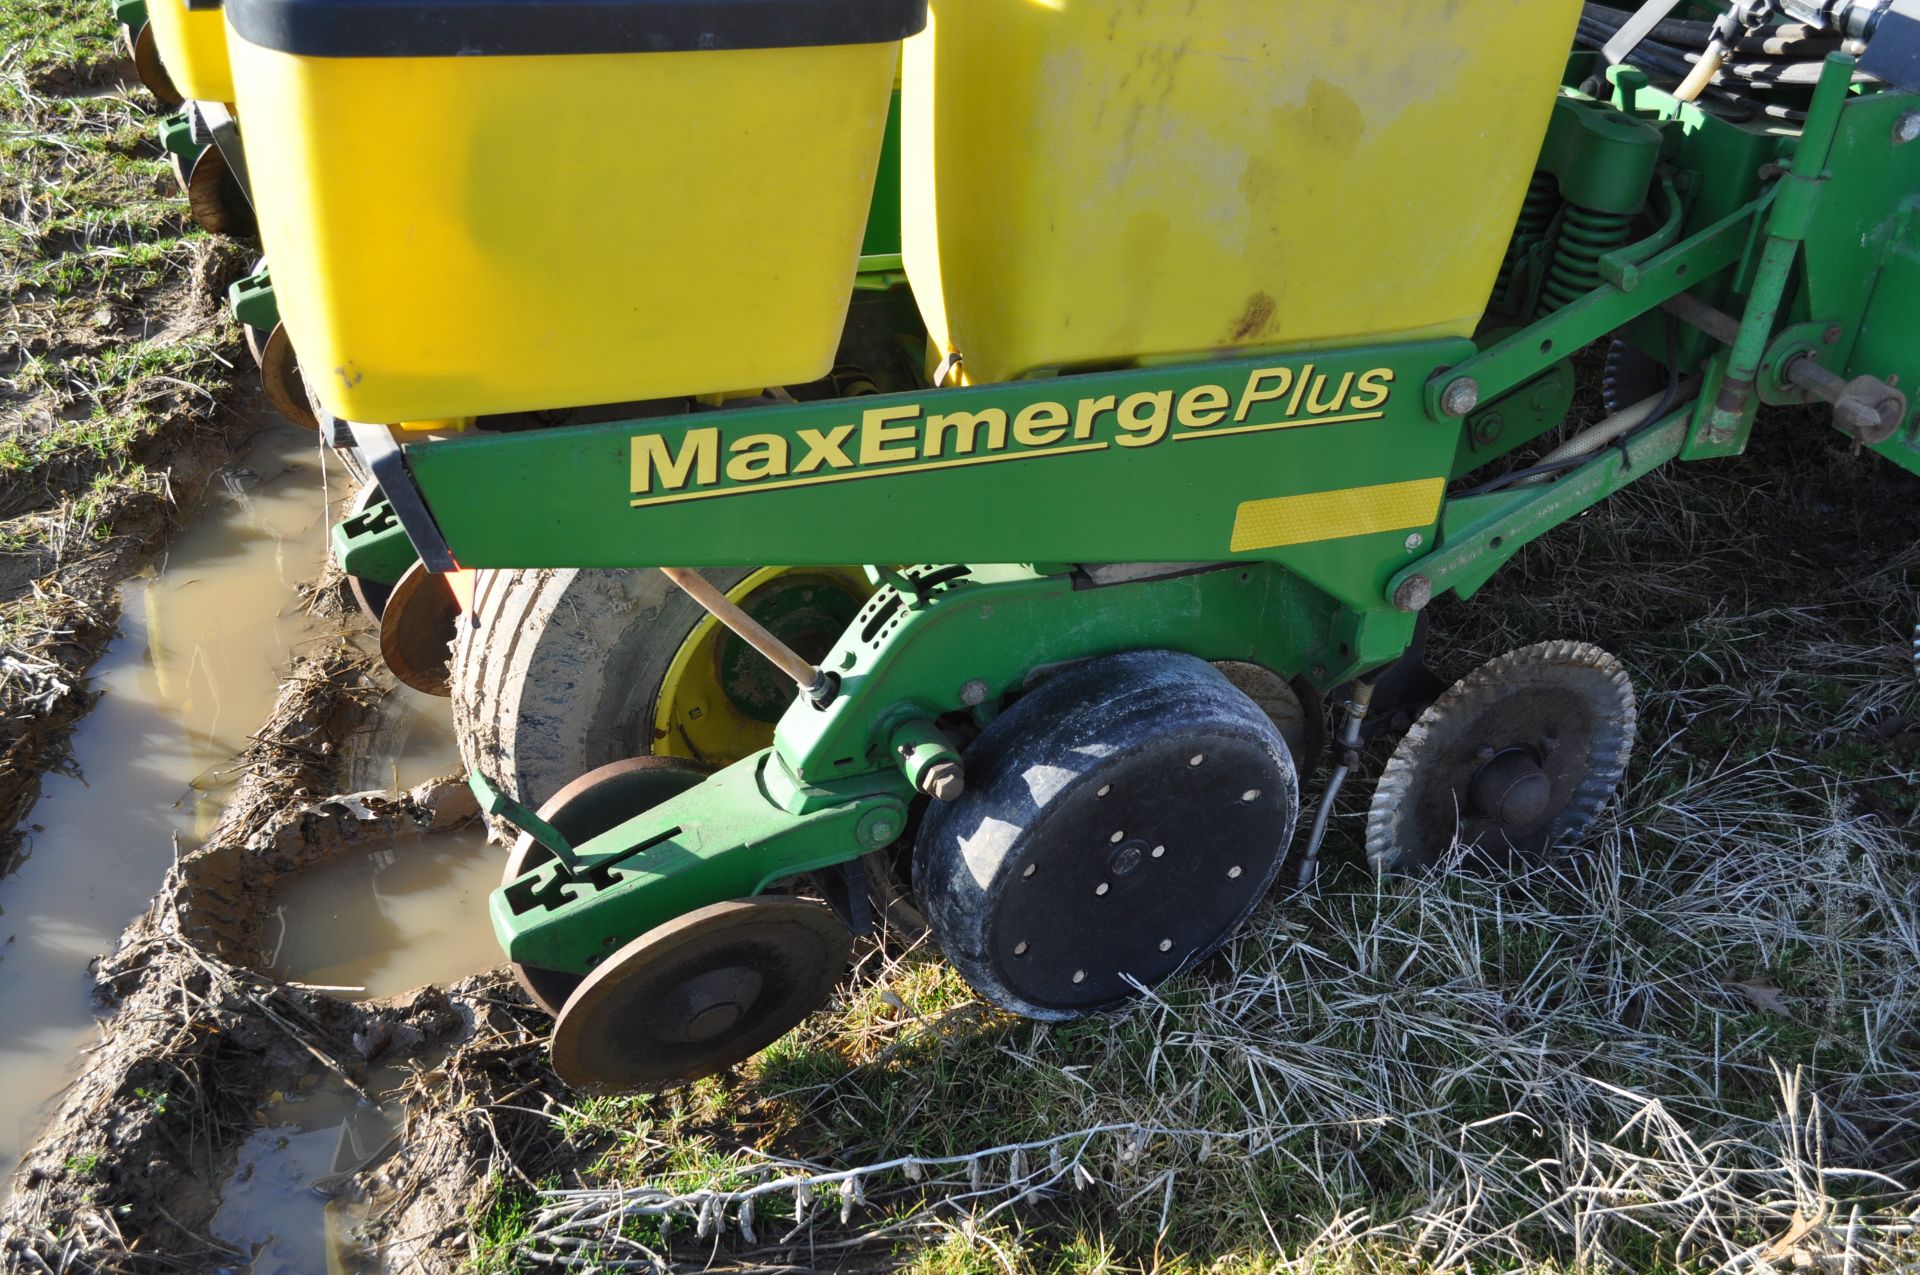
1350 249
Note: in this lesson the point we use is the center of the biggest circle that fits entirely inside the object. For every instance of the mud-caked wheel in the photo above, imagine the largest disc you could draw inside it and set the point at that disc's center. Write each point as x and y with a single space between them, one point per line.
147 65
280 377
558 672
700 993
596 802
214 196
418 622
1119 823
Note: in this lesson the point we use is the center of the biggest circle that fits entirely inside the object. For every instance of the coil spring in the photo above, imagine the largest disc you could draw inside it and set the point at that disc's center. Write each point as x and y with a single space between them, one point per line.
1536 215
1585 237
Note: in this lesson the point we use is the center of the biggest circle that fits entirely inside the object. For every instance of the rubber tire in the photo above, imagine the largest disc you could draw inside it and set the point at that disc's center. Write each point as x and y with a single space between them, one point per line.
558 671
1038 758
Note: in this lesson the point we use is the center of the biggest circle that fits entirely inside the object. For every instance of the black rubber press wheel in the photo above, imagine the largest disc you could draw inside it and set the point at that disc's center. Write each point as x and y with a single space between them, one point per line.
1119 823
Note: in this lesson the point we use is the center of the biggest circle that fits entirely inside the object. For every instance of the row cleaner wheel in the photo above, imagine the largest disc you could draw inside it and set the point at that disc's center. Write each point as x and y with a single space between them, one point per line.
1516 756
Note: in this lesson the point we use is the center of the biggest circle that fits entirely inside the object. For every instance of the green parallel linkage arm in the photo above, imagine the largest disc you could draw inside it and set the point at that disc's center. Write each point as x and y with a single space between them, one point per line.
1480 534
1521 356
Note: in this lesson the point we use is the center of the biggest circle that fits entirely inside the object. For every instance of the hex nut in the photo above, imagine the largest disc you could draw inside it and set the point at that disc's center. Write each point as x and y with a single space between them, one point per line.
944 781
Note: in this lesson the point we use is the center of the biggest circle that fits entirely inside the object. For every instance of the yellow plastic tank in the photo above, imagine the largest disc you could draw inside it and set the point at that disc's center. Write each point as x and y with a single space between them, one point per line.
525 204
1088 182
192 42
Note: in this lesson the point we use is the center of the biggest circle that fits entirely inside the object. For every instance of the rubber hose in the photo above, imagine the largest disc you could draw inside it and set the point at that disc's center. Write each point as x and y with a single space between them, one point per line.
1594 437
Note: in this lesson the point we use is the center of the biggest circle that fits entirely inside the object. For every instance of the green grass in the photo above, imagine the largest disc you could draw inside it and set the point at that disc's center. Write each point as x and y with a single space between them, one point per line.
106 343
499 1225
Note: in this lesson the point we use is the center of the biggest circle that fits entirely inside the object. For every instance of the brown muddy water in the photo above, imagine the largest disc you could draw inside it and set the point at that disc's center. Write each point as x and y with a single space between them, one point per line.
203 643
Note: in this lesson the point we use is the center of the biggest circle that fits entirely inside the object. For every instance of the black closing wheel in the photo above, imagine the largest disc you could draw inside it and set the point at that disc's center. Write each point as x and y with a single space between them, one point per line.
1518 755
700 993
1119 823
599 801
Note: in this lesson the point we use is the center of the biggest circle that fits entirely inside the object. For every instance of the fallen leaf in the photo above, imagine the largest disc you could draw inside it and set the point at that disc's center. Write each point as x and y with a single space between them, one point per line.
1765 996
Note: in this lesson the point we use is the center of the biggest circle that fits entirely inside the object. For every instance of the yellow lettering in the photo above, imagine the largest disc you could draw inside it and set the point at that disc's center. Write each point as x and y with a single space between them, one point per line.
880 442
1144 431
1375 386
1041 424
1299 389
1258 392
1204 405
1090 409
757 456
825 447
698 458
1315 407
965 429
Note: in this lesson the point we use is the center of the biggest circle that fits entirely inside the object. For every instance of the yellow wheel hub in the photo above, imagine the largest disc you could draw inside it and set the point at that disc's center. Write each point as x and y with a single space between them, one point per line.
720 699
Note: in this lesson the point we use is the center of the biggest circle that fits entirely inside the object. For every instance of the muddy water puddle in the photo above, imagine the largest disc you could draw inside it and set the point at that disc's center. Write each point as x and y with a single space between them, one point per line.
380 922
195 671
195 668
287 1208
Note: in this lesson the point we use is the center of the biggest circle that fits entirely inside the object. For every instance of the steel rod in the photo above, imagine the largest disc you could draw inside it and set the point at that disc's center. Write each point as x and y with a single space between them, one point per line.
813 683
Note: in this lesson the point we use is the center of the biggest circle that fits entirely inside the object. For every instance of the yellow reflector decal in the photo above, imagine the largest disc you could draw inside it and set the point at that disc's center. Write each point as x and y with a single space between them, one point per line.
1331 515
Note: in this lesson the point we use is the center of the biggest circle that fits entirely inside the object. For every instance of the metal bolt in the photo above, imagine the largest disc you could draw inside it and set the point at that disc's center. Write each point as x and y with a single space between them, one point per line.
1117 838
1104 790
1460 397
1196 759
1030 868
1079 976
1101 889
883 830
974 693
1233 873
1832 335
1158 851
1251 794
1413 595
1319 672
1485 754
1020 948
944 781
1166 945
1415 541
1907 128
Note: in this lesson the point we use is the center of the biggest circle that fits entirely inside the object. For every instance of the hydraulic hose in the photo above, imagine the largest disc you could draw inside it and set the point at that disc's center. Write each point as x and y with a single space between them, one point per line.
1619 425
